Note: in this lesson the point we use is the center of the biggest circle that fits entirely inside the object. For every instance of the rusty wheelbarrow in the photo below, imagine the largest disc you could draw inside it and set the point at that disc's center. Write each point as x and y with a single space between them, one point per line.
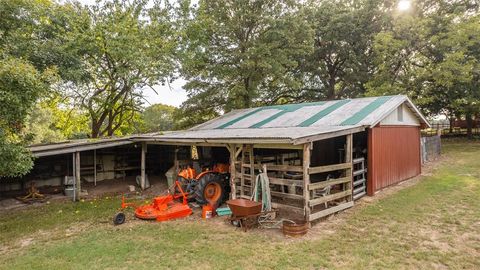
245 213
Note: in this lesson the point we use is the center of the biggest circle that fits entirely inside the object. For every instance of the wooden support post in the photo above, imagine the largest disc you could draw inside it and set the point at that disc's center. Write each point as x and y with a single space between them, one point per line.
370 166
175 161
349 159
252 169
142 165
74 177
78 186
242 173
232 149
95 167
306 180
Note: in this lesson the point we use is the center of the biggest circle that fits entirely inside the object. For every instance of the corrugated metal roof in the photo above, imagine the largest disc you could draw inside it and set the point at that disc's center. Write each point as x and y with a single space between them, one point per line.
289 124
293 123
349 112
249 135
73 146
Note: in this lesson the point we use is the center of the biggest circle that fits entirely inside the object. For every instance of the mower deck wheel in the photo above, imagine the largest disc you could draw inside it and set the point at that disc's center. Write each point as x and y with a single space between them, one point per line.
119 218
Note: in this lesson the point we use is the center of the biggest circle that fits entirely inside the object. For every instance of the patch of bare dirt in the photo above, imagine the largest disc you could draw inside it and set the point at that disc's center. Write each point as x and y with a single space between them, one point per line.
433 239
158 185
11 204
26 242
439 266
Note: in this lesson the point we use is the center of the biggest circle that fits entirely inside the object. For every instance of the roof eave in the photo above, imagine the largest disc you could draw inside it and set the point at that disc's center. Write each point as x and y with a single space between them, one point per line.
226 140
79 148
324 136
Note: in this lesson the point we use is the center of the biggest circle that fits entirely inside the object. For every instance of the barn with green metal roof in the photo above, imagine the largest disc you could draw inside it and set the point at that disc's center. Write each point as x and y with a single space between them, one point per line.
320 157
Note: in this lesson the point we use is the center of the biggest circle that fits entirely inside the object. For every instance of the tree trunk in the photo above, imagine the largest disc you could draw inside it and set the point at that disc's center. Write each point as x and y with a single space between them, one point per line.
468 118
452 122
246 96
95 130
331 88
110 119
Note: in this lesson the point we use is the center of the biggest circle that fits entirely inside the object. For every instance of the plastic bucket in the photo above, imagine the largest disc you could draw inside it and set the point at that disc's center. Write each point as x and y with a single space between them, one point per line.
207 211
69 191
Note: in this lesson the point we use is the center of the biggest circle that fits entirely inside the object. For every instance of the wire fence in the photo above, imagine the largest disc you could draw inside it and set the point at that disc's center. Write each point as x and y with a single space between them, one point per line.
445 130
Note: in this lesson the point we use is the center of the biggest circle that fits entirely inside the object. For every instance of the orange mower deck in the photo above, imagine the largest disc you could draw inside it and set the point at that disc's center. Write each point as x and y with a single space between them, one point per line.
162 209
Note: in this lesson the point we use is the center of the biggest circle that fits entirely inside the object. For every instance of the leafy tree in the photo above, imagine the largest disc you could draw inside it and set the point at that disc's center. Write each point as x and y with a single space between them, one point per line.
341 62
54 119
28 67
237 52
41 125
124 47
158 117
20 86
36 31
432 54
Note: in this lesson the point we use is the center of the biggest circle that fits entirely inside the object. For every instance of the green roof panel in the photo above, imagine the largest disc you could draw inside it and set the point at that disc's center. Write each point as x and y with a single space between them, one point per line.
283 110
365 111
229 123
271 118
310 121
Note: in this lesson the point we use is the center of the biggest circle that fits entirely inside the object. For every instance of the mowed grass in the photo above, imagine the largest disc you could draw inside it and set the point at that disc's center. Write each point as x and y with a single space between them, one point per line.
434 224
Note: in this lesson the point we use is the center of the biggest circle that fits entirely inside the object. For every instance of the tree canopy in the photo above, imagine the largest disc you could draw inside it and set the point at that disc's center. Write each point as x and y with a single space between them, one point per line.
158 117
432 54
27 70
239 53
124 47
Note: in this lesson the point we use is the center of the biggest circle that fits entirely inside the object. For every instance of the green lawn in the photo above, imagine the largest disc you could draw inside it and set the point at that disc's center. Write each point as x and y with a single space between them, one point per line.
432 224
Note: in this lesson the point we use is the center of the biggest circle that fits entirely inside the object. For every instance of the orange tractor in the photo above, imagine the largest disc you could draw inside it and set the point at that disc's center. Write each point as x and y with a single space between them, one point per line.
211 186
208 187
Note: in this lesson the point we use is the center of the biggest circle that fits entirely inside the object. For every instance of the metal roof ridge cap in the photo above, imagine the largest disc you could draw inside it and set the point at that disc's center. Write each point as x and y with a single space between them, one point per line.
298 103
197 127
277 127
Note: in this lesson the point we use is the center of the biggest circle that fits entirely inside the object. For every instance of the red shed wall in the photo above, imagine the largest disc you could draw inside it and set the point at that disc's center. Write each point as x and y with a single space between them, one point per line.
393 155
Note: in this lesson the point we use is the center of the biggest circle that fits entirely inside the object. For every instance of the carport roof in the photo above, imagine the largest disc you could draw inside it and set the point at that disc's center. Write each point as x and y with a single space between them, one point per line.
72 146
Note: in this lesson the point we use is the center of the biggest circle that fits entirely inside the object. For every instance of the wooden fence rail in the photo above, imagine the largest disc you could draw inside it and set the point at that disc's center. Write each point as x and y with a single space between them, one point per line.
329 168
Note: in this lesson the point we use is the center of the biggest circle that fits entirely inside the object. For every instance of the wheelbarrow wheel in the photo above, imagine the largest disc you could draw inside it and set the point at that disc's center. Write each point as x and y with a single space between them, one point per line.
119 218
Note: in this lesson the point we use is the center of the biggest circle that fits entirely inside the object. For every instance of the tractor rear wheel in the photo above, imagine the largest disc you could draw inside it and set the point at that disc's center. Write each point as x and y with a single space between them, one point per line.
211 188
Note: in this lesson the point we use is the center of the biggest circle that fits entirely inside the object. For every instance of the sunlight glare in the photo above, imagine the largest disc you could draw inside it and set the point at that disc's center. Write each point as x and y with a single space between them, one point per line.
404 5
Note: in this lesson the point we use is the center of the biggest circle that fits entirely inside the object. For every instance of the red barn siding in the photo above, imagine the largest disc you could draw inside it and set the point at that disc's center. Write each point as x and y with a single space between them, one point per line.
393 155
